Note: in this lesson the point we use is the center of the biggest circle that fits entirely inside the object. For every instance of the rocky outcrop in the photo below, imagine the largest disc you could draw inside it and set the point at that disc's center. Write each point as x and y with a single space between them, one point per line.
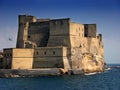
91 63
87 62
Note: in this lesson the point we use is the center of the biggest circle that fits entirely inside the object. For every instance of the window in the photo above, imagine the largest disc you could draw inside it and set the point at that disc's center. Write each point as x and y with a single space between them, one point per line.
80 45
28 36
61 22
36 53
4 54
53 52
7 54
76 29
45 53
10 54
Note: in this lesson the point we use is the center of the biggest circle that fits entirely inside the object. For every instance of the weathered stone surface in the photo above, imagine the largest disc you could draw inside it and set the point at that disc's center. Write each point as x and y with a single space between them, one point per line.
56 43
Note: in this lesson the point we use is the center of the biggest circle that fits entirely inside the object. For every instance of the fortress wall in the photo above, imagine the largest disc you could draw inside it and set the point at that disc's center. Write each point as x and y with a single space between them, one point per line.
22 52
22 63
90 30
26 18
90 45
39 33
22 34
49 51
76 34
76 41
76 29
59 27
59 33
49 57
58 41
23 29
7 60
18 58
48 62
22 58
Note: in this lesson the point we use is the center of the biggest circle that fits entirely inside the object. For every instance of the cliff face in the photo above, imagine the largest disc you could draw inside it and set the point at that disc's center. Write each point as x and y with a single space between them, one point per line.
92 63
89 56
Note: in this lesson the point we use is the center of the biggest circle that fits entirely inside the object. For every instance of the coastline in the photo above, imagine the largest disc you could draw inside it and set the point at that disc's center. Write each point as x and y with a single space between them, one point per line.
10 73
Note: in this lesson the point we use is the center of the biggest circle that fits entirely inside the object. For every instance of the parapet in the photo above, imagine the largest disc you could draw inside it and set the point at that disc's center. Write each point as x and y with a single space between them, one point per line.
90 30
26 18
43 19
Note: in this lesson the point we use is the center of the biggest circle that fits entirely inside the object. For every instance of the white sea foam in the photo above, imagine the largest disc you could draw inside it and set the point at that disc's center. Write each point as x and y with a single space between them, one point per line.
91 73
107 68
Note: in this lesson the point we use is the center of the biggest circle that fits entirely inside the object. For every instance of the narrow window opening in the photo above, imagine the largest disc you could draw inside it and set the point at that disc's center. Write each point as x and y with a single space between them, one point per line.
36 53
44 53
76 30
28 36
53 52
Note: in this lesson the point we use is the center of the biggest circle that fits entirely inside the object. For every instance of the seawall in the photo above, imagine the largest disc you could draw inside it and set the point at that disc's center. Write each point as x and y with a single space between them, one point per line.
6 73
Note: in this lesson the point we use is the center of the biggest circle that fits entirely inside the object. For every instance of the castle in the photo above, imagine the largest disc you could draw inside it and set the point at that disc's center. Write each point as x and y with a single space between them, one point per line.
55 43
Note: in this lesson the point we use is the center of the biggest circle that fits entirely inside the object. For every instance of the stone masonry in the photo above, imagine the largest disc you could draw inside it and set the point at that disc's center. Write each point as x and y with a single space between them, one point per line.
56 43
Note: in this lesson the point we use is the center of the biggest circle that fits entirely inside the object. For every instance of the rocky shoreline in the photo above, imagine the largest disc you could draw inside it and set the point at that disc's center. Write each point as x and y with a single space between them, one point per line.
8 73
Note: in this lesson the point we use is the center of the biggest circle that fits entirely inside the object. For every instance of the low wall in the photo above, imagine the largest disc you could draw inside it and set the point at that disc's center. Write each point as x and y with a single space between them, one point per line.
27 73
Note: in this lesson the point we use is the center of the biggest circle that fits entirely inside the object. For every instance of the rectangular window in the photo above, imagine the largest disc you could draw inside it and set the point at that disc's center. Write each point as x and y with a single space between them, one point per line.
45 53
36 53
28 36
53 52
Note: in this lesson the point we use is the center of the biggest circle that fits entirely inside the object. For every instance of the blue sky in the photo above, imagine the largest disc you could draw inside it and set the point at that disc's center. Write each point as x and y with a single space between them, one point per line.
105 13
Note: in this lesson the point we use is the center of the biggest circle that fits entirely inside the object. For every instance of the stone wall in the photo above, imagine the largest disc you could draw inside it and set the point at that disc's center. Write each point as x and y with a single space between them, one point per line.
38 32
7 60
22 58
76 34
18 58
90 30
23 29
59 33
49 57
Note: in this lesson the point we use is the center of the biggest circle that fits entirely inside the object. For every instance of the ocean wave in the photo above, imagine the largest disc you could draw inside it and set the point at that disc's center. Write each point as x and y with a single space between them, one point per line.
91 73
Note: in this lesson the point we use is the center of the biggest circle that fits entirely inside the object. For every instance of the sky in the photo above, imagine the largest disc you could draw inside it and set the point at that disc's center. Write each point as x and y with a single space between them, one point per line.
105 13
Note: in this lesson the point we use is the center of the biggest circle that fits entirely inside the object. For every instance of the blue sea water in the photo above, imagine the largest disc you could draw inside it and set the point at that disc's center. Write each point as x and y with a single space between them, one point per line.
108 80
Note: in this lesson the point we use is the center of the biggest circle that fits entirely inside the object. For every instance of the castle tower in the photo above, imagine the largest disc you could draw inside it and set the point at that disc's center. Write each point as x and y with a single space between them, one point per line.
90 30
59 32
23 29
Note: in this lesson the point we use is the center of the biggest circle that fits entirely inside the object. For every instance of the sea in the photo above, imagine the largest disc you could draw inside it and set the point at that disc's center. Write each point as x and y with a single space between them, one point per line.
108 80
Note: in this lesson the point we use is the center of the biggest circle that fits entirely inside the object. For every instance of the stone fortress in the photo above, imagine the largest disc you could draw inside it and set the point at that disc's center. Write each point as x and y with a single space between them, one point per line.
55 43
